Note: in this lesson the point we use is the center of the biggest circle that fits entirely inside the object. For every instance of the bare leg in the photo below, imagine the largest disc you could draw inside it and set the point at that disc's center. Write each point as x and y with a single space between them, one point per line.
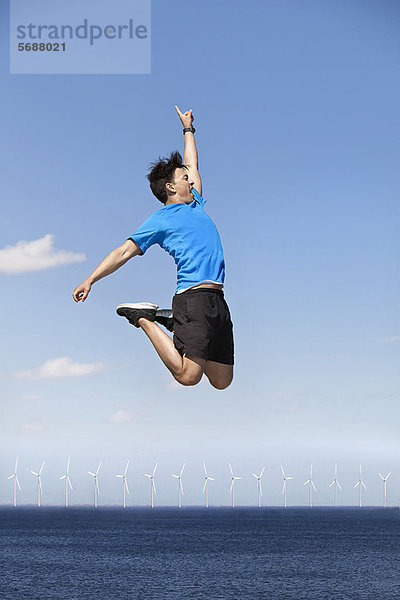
219 375
187 370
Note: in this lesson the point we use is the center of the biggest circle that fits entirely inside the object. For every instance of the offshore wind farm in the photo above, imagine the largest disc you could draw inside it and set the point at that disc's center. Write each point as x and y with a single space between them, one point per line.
358 499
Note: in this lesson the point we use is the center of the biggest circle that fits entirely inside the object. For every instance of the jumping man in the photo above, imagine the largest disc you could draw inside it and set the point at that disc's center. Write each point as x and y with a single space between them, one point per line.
200 319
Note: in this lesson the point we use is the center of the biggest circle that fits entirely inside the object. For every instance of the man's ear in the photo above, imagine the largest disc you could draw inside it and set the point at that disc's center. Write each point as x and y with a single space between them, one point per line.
170 188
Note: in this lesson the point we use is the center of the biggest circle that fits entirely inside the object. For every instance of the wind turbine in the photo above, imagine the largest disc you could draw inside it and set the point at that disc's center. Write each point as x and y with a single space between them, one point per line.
14 477
360 484
285 479
384 479
39 483
310 483
67 483
335 485
234 478
124 484
153 485
207 478
258 477
96 484
180 487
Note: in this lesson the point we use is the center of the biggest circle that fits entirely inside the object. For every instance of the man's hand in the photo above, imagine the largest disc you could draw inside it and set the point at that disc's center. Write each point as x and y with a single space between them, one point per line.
186 118
81 292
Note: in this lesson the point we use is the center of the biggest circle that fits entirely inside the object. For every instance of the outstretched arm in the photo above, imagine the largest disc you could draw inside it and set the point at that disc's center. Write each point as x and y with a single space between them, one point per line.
111 263
190 158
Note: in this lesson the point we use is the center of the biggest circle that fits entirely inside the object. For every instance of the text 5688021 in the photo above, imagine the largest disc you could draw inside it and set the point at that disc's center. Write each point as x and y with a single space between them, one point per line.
41 47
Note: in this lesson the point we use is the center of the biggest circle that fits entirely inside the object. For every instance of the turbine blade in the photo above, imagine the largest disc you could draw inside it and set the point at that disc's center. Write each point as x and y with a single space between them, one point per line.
230 468
182 469
204 486
312 483
16 479
289 478
254 475
381 476
34 472
122 476
205 470
154 486
283 472
180 484
155 469
338 484
16 464
126 485
262 471
69 483
283 487
388 475
126 468
331 484
147 475
41 468
68 464
97 485
63 476
231 486
90 473
40 485
211 478
364 486
98 468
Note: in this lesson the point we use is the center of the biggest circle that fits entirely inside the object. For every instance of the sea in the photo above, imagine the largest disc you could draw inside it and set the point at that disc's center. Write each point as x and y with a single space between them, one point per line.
197 553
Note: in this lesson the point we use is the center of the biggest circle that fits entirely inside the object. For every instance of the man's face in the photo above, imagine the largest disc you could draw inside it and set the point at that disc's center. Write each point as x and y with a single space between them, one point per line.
183 186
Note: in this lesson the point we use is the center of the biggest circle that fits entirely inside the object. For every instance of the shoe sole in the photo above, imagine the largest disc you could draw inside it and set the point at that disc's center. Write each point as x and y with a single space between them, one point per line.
138 306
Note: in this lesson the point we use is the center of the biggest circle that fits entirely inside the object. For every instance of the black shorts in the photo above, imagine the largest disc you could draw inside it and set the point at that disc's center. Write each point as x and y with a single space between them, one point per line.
202 325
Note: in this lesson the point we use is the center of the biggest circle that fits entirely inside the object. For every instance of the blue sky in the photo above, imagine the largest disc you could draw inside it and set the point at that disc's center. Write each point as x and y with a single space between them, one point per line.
296 108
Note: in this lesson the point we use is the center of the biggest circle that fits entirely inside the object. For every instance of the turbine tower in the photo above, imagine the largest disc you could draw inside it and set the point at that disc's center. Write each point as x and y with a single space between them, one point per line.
124 484
285 479
39 483
67 483
384 479
335 483
232 491
360 484
258 477
180 487
207 478
96 484
15 479
153 485
311 485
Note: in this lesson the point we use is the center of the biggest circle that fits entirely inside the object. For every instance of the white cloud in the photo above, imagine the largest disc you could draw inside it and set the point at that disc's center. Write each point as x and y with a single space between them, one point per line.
26 397
121 416
35 256
394 338
60 367
33 427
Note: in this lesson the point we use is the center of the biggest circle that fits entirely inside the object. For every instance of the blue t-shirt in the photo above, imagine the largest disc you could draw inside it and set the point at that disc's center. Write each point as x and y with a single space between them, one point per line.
188 234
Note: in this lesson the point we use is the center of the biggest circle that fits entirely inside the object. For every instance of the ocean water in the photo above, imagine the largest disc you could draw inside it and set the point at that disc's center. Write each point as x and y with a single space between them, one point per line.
193 553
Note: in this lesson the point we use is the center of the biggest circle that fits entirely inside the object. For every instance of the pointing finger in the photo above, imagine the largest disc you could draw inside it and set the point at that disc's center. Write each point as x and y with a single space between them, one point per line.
177 110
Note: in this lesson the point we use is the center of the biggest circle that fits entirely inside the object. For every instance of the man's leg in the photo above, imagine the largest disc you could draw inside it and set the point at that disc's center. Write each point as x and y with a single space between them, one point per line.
219 375
186 370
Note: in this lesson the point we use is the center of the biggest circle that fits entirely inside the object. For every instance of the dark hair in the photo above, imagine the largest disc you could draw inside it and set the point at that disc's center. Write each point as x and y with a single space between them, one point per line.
162 172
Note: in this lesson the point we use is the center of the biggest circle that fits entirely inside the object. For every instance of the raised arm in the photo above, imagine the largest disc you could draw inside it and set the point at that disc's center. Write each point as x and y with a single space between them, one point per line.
190 158
111 263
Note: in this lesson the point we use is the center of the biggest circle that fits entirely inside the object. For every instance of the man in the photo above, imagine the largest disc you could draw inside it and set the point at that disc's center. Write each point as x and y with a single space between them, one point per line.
200 319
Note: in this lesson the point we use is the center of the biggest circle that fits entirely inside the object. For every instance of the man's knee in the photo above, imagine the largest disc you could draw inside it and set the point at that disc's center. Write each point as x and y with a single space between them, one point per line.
221 383
189 378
